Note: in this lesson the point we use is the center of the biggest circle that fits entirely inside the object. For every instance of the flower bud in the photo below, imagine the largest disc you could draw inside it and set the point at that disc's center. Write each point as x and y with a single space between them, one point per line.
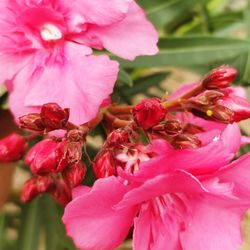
12 148
104 165
35 186
42 157
118 137
32 122
220 77
61 193
148 113
53 116
184 141
68 153
74 174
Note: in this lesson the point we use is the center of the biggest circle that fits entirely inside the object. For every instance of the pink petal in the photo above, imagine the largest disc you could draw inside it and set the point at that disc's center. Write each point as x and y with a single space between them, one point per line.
156 231
176 182
100 12
202 160
74 83
91 220
245 140
131 37
213 224
238 172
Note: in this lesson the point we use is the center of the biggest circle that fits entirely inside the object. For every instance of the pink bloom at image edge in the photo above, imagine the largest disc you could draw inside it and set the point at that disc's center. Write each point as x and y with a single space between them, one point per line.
46 48
183 199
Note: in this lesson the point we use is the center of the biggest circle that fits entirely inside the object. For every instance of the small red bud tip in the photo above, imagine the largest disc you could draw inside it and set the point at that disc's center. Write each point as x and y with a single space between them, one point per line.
220 77
104 165
148 113
53 116
35 186
118 137
31 122
12 148
74 174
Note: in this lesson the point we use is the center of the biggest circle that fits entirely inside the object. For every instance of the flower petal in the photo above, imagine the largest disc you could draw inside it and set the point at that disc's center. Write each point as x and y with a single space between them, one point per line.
91 220
80 83
131 37
100 12
213 224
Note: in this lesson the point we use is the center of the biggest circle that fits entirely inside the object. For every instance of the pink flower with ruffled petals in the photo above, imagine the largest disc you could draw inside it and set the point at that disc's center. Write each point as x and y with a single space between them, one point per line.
174 203
46 47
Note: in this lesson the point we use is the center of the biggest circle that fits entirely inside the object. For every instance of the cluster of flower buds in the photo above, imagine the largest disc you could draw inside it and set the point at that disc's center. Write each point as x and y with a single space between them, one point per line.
51 117
55 162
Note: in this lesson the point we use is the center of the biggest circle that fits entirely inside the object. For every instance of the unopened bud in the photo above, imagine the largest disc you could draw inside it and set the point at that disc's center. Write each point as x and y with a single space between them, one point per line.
74 174
118 137
148 113
68 153
12 148
35 186
53 116
61 193
42 157
220 77
184 141
104 165
221 114
32 122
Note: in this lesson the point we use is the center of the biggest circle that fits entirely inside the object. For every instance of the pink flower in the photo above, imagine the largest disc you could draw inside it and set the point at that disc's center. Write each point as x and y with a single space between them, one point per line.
171 210
46 46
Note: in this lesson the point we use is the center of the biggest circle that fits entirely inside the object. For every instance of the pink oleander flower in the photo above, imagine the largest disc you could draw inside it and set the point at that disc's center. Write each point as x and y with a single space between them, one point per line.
46 47
180 199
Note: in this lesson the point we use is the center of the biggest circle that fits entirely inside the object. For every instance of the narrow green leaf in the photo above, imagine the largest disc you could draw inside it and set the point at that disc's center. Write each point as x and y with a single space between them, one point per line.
30 227
2 231
186 51
125 78
56 238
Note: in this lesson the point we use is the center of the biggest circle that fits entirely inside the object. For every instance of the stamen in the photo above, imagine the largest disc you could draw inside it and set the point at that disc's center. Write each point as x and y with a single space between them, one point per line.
209 112
50 32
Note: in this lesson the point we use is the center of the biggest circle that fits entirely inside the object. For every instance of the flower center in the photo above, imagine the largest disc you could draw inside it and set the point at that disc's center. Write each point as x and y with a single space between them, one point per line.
50 32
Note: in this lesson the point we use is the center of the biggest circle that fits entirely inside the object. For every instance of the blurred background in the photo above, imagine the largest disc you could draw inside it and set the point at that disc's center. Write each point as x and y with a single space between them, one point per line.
195 36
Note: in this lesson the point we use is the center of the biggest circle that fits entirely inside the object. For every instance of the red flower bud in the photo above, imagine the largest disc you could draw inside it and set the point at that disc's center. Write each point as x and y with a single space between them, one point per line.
68 153
31 122
148 113
61 193
35 186
118 137
53 116
12 148
184 141
74 174
220 77
104 165
42 157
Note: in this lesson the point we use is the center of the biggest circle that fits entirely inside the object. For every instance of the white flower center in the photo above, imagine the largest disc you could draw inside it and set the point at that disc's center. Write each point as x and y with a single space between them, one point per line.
50 32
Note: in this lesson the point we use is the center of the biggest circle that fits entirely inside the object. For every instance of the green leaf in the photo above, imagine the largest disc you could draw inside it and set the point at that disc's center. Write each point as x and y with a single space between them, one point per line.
30 226
186 51
125 78
56 238
2 231
143 83
162 12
